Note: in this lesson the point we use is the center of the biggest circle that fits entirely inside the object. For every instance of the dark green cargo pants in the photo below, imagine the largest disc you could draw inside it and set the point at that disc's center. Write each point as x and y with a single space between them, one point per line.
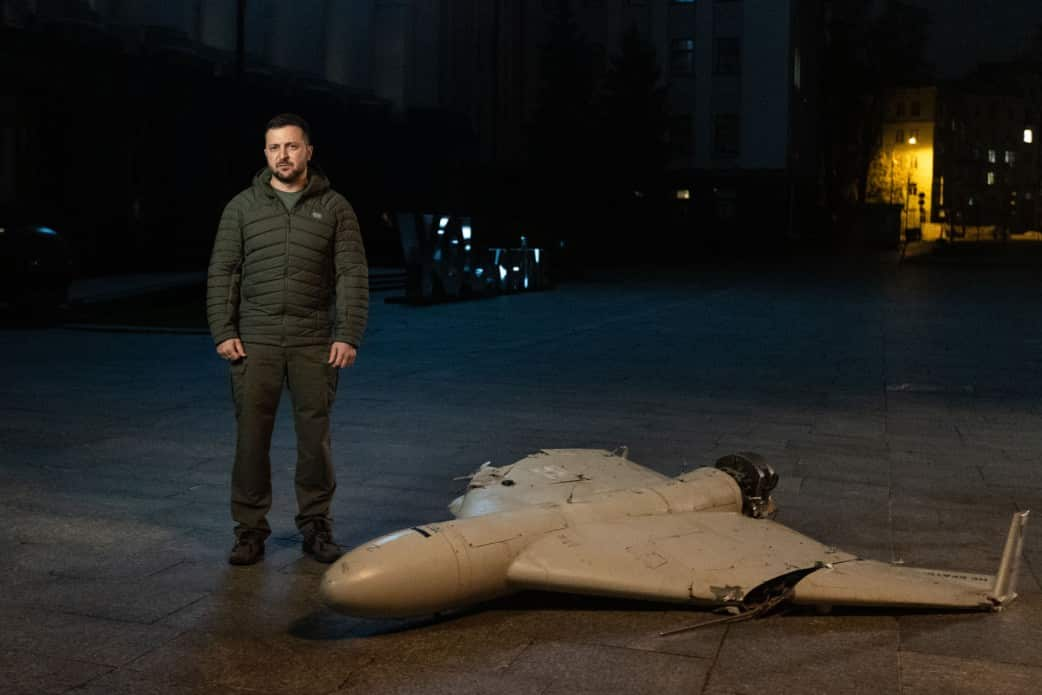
257 383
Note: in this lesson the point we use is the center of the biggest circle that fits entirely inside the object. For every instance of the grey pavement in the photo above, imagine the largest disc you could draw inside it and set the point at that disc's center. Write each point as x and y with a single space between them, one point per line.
901 405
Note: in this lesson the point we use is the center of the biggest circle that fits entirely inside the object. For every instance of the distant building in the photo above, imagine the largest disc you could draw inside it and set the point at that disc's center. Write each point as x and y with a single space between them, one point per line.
988 160
964 153
902 172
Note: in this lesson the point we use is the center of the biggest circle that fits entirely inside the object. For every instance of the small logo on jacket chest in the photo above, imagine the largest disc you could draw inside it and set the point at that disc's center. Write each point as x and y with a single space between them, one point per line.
316 214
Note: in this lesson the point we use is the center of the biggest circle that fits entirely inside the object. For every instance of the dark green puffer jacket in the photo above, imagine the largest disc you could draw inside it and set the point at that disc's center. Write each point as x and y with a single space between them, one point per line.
274 275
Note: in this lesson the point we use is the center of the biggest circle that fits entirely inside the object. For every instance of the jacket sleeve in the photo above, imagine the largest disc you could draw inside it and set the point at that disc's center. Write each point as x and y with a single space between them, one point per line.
223 276
352 277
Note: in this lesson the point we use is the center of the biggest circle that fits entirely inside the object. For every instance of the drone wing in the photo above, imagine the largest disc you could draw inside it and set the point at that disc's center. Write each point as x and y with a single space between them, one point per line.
551 476
730 559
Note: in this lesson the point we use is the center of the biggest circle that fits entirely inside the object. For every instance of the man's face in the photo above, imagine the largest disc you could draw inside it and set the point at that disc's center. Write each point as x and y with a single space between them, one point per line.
288 153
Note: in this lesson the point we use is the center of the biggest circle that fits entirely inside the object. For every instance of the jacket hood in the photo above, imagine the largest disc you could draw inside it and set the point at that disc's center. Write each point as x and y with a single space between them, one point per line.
317 182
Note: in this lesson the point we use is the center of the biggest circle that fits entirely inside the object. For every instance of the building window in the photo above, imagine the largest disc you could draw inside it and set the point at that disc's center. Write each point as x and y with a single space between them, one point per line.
680 134
727 55
991 156
915 136
726 204
1011 157
682 57
1029 135
991 178
726 136
914 109
899 136
900 110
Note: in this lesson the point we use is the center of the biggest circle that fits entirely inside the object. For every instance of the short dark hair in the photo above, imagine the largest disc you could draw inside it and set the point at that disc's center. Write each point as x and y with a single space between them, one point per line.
285 119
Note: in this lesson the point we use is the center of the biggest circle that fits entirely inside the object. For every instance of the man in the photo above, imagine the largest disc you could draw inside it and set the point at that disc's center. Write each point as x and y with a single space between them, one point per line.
287 301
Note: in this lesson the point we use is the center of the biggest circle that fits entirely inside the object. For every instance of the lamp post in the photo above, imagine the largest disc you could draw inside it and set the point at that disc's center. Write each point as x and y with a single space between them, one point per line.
908 185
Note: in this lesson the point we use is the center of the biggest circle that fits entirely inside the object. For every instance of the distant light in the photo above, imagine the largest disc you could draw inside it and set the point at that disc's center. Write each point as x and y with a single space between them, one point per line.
1029 135
524 241
46 231
466 247
466 231
526 282
441 232
444 222
502 273
455 242
517 269
537 255
478 272
913 140
683 194
437 255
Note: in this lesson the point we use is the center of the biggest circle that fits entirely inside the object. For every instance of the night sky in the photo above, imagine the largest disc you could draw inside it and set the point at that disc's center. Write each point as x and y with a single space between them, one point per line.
964 33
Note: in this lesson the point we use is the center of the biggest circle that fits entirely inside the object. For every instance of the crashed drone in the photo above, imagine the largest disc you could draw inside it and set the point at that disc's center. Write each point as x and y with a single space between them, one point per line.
592 522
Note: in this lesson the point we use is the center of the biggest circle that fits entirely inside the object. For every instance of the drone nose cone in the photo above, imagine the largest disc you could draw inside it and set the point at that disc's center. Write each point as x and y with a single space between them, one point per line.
381 578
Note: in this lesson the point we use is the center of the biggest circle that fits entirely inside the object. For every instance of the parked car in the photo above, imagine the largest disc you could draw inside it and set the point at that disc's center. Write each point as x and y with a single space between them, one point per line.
36 268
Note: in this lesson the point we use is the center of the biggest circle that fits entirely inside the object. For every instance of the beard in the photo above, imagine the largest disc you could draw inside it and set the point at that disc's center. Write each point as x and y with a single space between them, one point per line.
291 175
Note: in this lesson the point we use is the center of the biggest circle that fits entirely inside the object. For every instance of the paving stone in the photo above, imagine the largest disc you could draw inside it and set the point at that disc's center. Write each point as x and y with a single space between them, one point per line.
999 637
582 668
400 678
921 673
252 663
138 601
800 654
44 632
27 673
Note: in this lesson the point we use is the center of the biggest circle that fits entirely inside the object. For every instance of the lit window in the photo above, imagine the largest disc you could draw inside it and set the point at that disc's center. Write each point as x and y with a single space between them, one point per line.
1011 157
683 194
1029 135
991 156
991 178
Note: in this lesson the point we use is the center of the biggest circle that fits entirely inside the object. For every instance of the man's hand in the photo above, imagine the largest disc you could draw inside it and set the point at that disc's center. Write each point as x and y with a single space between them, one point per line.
231 349
342 354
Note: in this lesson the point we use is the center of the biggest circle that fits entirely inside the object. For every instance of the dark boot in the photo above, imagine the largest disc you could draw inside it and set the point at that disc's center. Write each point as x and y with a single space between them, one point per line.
248 549
318 541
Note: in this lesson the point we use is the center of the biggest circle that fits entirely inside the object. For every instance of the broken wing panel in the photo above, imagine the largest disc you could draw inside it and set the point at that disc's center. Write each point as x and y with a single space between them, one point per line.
551 476
694 557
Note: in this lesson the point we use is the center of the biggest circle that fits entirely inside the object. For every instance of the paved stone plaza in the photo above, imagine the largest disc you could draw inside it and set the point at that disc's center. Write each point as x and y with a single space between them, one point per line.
902 406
